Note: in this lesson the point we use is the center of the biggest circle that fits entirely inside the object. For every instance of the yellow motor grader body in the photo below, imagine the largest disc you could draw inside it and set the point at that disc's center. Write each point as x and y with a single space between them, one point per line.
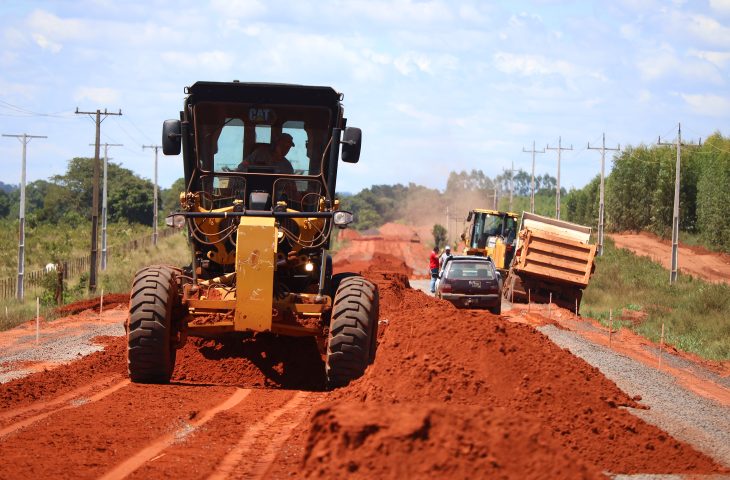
260 164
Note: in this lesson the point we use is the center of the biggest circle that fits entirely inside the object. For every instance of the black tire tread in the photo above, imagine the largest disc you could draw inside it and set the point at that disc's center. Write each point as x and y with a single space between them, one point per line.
150 354
353 330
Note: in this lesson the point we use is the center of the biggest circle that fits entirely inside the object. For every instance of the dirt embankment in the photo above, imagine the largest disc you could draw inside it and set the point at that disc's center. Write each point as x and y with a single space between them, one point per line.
696 261
453 392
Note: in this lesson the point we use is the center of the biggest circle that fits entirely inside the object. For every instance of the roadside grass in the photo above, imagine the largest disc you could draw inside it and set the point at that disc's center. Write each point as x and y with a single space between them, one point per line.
47 243
117 278
695 313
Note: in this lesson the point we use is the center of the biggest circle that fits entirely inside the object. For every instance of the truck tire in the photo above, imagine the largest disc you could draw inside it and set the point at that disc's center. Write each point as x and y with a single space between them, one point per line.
152 333
353 331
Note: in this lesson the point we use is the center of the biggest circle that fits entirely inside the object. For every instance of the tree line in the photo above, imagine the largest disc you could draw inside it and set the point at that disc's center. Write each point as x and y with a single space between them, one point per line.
639 192
67 198
464 191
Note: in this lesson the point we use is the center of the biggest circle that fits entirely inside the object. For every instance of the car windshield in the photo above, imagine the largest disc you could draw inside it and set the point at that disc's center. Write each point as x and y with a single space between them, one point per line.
246 137
470 270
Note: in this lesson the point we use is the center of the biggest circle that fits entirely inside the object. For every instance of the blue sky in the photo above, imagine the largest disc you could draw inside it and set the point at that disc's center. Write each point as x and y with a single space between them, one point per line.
435 85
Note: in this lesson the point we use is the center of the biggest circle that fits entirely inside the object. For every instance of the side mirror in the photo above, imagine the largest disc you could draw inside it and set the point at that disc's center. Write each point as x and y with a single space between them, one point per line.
171 137
351 142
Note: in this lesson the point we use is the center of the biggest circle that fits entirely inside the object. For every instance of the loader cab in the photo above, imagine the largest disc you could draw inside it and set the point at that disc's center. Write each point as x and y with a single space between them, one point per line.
492 233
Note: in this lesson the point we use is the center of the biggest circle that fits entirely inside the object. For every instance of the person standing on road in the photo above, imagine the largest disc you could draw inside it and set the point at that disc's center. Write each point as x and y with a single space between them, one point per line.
433 267
444 256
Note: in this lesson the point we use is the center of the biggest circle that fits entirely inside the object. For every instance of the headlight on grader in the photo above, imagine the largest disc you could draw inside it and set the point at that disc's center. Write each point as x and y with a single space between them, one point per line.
342 218
177 221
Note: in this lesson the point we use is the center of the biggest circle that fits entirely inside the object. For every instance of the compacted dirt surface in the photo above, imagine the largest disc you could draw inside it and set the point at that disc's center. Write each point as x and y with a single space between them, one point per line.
451 394
695 261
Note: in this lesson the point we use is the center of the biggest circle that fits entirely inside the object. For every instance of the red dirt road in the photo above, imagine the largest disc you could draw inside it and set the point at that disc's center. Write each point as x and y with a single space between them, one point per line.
713 267
451 394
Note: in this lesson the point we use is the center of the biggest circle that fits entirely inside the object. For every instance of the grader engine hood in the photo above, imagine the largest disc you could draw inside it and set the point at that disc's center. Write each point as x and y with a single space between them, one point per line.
256 246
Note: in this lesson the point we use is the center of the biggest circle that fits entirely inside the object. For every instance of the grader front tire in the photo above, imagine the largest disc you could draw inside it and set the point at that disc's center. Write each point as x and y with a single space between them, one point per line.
353 331
152 332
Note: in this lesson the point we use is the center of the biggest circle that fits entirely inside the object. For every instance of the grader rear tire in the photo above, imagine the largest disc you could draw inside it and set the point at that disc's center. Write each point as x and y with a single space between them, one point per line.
152 333
353 331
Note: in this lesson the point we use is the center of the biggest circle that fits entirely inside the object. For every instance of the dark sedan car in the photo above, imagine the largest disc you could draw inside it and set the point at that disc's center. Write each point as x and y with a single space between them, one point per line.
471 282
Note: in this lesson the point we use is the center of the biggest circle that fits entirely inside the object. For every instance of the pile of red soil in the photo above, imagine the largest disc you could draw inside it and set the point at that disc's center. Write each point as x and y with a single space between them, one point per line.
455 392
262 360
110 301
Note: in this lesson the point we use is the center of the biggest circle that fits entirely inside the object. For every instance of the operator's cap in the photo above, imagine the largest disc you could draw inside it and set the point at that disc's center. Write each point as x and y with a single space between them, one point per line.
289 138
447 247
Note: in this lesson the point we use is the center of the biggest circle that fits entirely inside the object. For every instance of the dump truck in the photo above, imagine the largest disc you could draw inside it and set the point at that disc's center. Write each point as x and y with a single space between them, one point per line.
260 165
553 261
491 233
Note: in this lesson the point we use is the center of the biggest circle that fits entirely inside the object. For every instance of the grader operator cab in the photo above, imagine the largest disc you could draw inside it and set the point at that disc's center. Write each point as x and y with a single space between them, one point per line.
491 233
260 163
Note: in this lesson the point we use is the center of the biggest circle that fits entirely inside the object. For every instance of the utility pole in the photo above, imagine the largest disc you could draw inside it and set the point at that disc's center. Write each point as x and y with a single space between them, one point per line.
154 207
95 195
601 210
675 212
560 148
24 139
104 202
532 177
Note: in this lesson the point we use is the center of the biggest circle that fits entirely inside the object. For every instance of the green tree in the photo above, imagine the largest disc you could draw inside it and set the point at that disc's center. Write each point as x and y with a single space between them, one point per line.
439 235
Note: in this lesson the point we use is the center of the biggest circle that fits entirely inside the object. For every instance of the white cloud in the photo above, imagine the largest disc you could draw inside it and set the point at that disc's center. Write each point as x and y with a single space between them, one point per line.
409 62
46 44
239 8
720 6
215 60
714 105
719 59
56 29
536 65
400 12
704 28
98 95
664 63
645 96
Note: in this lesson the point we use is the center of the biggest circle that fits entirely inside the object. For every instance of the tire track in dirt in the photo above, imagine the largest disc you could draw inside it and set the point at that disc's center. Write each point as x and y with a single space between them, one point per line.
155 448
249 440
268 447
36 418
98 435
65 398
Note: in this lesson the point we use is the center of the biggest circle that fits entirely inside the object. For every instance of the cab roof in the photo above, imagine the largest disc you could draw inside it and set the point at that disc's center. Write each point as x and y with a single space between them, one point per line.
263 93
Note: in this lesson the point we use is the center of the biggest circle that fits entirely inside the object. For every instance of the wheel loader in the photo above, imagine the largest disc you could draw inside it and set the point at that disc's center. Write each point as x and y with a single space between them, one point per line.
258 214
491 233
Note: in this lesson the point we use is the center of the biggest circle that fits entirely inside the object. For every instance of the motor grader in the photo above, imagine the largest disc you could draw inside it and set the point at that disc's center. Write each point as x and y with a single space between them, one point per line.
259 234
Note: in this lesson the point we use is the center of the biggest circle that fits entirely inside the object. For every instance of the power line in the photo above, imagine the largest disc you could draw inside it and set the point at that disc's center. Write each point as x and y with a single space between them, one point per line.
24 139
532 177
603 149
95 193
559 148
